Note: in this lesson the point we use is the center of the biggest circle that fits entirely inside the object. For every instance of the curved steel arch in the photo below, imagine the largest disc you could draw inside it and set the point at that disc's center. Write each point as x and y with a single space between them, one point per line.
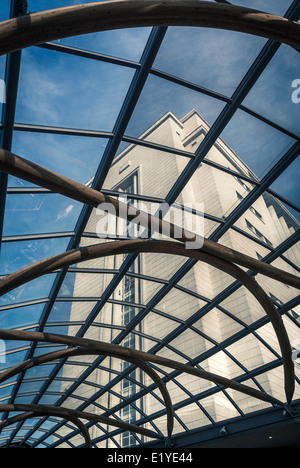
66 353
45 26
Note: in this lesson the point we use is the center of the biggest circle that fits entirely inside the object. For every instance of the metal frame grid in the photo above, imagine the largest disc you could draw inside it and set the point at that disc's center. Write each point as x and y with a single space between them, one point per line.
34 433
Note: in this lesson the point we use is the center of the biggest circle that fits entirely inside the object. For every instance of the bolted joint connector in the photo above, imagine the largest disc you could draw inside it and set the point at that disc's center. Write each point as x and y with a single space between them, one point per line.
290 411
170 443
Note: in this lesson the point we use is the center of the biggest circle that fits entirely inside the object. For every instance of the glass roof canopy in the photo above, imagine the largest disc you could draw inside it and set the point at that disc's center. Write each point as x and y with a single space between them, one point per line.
73 106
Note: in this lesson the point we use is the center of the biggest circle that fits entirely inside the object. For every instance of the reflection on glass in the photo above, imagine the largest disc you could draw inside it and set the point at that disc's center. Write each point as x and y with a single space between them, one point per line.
39 213
17 255
36 289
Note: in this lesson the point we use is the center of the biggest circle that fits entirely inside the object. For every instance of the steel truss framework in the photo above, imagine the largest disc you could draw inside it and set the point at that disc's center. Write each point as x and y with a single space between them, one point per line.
18 33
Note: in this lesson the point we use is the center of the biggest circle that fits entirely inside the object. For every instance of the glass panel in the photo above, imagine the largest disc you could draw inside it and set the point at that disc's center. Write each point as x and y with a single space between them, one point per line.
5 10
219 64
62 90
40 372
287 185
276 7
29 387
172 354
5 392
277 89
246 403
17 255
179 304
157 326
38 214
63 329
219 407
191 344
202 193
142 163
20 317
273 383
267 222
251 352
75 157
47 348
161 97
192 416
13 359
66 311
127 43
257 144
36 289
251 245
159 266
292 254
67 288
217 325
49 400
279 293
85 285
148 289
243 305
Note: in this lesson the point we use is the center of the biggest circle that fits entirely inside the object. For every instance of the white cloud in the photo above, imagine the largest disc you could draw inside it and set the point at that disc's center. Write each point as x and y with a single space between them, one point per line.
65 213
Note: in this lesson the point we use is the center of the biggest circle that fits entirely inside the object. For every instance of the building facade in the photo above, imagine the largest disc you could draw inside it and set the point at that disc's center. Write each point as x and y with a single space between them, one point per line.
144 175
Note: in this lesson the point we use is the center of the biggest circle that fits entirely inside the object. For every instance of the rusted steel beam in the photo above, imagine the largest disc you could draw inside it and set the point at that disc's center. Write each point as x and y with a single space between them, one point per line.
37 28
34 414
67 353
67 413
27 170
132 353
